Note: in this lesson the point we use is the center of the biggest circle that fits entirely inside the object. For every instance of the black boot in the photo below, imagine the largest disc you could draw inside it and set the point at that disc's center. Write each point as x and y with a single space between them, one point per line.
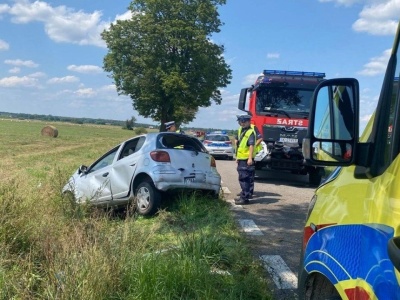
241 201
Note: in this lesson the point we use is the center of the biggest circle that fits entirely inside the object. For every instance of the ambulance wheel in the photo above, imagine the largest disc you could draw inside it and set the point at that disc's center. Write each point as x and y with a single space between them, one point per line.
319 287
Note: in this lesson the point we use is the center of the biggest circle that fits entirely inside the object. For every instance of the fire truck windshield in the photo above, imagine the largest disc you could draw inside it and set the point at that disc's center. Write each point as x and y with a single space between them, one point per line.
283 100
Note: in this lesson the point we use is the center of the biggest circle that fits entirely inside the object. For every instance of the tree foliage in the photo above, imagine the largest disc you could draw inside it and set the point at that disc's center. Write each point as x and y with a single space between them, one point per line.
164 59
129 124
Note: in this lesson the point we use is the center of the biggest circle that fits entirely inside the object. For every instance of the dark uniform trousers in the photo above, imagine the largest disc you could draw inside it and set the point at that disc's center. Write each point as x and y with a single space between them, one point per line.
246 178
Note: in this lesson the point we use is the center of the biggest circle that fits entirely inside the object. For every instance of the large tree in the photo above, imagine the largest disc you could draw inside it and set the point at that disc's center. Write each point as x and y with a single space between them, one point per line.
164 58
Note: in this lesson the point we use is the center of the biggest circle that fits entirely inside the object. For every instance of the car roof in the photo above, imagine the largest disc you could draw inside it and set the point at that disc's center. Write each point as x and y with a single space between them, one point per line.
223 134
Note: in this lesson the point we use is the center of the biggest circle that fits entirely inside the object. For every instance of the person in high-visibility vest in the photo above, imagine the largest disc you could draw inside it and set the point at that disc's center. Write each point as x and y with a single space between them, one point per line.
171 127
258 147
245 153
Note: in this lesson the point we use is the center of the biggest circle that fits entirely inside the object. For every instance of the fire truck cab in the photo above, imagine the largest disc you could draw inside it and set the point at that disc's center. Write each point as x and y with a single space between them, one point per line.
279 105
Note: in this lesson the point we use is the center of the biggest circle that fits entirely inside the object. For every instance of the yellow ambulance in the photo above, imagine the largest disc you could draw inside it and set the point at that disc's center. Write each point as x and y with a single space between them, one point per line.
351 241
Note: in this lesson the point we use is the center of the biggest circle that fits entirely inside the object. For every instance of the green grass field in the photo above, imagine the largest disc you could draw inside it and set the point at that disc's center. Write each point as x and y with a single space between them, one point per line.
53 249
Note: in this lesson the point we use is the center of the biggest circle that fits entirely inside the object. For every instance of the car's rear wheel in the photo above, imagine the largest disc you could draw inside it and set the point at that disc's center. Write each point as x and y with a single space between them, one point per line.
148 198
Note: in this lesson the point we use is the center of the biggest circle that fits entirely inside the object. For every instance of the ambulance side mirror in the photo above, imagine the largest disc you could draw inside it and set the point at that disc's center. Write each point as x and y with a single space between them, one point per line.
333 126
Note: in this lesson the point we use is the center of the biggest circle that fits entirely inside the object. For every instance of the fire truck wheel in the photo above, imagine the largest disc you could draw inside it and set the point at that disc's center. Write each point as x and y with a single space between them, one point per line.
314 177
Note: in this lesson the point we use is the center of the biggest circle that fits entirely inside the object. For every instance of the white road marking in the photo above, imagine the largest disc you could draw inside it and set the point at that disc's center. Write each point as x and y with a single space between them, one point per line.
233 205
283 277
250 227
226 190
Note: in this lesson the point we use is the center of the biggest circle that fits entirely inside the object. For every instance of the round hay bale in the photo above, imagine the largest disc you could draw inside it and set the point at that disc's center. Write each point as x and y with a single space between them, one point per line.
49 131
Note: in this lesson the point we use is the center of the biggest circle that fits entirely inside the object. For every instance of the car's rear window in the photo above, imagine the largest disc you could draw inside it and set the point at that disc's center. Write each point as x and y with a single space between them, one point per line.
180 141
217 138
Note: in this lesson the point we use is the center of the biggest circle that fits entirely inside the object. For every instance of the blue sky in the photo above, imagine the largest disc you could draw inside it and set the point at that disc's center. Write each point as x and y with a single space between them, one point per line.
51 52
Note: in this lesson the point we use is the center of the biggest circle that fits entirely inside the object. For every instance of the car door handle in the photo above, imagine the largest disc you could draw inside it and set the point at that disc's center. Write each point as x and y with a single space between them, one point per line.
105 174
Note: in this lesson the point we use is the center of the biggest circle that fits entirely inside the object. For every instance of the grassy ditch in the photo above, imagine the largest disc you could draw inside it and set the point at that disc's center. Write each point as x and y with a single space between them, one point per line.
53 249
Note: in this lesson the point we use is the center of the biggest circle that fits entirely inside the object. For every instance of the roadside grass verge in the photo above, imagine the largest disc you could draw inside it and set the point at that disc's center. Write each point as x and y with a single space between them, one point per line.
53 249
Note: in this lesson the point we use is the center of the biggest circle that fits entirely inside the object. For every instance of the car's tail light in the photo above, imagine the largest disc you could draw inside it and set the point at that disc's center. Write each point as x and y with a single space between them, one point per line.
207 142
228 142
160 156
213 163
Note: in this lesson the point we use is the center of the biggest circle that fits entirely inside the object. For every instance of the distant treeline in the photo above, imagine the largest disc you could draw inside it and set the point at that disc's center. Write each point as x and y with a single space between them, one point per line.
7 115
22 116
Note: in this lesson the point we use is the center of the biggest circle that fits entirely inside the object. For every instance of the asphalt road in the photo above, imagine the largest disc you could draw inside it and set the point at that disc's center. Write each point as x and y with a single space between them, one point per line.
272 222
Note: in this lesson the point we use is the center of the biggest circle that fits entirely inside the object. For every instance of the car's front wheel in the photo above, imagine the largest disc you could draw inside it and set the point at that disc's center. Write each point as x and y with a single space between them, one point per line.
147 198
319 287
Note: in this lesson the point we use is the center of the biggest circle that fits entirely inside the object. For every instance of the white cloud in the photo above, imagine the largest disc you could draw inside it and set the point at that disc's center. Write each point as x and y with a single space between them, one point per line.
21 63
62 24
37 75
109 88
85 93
273 55
343 2
250 79
125 16
85 69
230 100
377 17
15 81
4 45
14 70
377 65
66 79
376 26
4 8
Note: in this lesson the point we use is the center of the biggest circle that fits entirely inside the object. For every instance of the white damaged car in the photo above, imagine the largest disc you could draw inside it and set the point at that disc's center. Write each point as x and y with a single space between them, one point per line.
141 169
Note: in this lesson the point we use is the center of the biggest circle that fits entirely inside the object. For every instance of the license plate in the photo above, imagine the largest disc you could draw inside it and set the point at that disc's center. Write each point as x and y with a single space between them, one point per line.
189 180
288 140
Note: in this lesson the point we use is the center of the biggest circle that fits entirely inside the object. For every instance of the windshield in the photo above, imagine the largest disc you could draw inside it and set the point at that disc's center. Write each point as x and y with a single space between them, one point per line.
285 99
217 138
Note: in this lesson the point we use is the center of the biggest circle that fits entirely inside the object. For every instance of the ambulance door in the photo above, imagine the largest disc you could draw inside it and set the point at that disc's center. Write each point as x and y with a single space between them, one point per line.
332 139
382 201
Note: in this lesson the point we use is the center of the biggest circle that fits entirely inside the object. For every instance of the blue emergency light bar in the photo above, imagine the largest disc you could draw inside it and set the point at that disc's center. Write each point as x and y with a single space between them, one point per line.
217 132
294 73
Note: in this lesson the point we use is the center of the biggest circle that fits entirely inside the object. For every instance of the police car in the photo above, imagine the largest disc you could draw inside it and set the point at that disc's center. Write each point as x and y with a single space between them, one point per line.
219 144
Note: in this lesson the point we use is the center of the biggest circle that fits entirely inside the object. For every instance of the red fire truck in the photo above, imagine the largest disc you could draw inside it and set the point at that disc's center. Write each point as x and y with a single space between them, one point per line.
279 103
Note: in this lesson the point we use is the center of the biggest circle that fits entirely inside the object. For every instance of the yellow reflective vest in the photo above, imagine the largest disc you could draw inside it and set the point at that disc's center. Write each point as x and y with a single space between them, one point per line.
243 150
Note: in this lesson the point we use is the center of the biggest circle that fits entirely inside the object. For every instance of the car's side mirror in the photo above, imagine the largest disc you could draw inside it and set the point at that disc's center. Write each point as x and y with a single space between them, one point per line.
394 252
333 126
82 169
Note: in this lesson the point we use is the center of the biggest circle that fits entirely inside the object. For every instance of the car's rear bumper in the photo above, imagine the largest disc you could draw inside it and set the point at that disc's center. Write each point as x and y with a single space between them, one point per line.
221 153
168 180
